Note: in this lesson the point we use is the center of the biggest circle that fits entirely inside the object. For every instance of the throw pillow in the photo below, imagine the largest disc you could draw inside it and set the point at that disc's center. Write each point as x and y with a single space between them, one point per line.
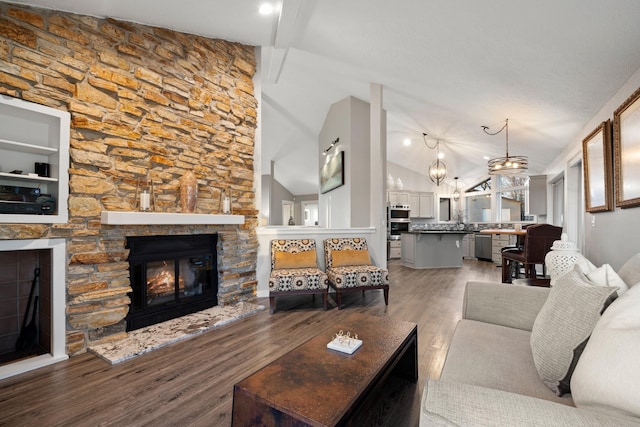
607 376
306 259
348 257
606 276
564 325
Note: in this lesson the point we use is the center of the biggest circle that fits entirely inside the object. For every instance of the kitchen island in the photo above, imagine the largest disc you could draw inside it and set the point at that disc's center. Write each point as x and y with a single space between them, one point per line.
432 248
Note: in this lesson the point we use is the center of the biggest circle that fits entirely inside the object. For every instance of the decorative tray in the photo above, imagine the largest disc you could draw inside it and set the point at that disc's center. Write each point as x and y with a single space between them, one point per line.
345 343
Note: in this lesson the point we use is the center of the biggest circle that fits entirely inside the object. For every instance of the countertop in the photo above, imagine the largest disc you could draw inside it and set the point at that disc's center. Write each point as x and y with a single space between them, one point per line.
439 232
504 231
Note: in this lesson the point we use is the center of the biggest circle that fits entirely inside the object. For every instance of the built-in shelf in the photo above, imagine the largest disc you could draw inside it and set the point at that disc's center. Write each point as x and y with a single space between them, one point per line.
6 144
21 177
162 218
32 134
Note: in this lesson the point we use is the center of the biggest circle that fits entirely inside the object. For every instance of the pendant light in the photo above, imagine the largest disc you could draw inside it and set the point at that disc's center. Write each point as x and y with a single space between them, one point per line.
437 169
507 165
456 193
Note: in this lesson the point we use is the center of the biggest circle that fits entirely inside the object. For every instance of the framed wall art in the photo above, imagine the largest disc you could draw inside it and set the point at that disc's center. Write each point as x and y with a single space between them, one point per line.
597 166
332 173
626 151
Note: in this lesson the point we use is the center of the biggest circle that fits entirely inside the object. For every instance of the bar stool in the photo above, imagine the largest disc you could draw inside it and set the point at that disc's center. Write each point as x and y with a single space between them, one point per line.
537 242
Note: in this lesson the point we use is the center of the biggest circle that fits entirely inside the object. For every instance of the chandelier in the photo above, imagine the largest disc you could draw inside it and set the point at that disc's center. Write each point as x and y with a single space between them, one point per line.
507 165
437 169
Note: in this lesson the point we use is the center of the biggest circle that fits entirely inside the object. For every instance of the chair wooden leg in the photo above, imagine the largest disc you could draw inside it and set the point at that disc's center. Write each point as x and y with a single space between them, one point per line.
386 295
325 297
272 304
339 298
506 271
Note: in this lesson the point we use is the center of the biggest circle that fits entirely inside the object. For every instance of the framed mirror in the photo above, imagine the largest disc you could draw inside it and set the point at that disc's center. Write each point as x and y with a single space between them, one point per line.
596 156
626 124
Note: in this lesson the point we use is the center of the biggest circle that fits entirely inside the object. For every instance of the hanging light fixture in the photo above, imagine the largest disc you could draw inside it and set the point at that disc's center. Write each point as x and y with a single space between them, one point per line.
507 165
437 169
456 192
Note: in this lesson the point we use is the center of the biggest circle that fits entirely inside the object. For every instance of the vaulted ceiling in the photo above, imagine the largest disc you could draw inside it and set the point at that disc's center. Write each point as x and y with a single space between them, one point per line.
447 67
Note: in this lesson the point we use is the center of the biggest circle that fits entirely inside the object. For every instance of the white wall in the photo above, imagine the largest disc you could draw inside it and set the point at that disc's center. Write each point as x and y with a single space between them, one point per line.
609 237
335 205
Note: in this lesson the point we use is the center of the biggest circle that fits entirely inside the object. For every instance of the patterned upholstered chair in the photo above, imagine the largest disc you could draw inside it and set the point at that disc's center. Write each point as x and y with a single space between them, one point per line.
349 268
294 270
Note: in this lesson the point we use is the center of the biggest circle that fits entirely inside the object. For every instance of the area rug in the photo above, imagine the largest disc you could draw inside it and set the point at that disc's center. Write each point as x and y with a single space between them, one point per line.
159 335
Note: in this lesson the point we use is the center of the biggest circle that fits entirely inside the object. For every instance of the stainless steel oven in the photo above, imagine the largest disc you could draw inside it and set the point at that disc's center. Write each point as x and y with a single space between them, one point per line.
396 228
397 221
399 212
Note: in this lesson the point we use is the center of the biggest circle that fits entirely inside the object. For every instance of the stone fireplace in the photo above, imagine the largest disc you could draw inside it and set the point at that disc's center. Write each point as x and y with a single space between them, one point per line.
146 103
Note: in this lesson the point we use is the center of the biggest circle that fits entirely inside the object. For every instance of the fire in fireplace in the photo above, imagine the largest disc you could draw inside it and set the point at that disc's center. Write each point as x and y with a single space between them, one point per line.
171 276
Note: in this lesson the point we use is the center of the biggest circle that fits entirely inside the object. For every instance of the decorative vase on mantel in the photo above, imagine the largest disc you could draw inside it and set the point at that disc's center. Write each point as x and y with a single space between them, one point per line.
188 192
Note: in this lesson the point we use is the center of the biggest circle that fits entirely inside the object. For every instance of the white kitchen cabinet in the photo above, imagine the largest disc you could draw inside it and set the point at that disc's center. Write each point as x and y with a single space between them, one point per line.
414 203
427 205
32 133
499 241
397 198
422 205
395 249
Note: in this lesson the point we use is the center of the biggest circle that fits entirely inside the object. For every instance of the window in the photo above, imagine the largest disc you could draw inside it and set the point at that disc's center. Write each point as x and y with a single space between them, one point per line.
498 199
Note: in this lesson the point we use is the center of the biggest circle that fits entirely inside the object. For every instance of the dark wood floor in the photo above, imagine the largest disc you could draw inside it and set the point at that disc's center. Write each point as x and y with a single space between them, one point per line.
191 382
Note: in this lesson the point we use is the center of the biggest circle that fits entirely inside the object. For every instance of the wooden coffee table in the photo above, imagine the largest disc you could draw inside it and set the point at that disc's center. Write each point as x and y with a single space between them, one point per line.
312 385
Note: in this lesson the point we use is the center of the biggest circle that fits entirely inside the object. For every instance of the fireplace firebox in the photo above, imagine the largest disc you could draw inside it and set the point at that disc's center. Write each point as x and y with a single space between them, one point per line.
171 276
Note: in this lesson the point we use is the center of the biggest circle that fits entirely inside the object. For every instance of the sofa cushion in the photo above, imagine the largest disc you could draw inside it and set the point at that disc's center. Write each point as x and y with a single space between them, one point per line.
306 259
606 276
630 271
446 403
563 326
497 357
607 376
348 257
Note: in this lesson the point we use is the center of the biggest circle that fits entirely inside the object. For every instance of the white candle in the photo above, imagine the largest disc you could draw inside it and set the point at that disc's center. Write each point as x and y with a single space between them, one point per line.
145 201
226 205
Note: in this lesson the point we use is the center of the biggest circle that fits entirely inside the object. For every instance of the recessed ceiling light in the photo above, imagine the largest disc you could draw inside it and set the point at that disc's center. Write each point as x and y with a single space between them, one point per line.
486 157
407 142
441 155
266 9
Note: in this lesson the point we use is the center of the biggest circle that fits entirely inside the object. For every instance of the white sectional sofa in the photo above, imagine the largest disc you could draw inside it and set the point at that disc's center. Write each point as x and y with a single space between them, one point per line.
493 374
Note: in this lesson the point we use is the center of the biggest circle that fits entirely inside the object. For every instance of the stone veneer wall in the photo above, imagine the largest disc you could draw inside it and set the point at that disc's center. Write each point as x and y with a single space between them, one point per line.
143 101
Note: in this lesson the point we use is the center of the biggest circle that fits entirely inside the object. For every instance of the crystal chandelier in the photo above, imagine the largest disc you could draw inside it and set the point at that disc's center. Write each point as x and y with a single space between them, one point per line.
507 165
437 169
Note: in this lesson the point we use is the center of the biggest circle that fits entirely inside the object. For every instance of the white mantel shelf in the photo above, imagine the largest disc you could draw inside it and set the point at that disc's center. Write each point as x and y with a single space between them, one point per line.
162 218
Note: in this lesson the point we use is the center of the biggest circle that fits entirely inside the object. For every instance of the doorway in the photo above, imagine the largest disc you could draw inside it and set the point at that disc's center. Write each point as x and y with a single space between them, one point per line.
310 213
288 212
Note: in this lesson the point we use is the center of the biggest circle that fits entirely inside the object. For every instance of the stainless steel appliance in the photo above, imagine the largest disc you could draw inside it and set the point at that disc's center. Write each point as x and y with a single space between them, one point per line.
398 212
397 221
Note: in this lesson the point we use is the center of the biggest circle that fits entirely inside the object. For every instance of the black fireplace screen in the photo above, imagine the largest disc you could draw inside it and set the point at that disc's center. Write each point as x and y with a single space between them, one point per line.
171 276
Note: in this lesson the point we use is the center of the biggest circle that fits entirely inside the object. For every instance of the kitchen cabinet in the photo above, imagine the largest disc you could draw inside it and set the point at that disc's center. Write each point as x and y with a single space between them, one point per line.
432 249
32 133
422 205
538 195
397 198
469 246
408 248
414 203
499 241
427 201
395 249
